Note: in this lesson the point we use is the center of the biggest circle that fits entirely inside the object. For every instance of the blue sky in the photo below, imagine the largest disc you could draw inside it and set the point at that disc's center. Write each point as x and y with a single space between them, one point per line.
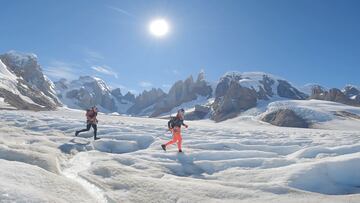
304 41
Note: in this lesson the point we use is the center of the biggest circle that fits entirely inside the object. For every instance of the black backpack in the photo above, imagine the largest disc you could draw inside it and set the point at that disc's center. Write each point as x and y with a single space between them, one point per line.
172 122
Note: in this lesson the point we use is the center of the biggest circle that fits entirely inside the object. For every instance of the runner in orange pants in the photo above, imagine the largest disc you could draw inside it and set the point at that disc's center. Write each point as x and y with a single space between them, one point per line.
175 127
176 138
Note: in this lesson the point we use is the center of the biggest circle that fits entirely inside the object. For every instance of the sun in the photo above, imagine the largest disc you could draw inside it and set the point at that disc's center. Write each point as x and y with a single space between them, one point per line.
159 27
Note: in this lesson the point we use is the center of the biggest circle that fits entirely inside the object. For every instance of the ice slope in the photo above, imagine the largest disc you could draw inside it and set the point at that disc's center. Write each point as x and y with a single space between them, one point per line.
239 160
5 73
8 80
251 80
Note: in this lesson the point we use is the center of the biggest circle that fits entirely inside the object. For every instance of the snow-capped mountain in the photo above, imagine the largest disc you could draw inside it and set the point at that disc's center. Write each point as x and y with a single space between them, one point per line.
237 92
350 95
352 92
23 85
89 91
307 88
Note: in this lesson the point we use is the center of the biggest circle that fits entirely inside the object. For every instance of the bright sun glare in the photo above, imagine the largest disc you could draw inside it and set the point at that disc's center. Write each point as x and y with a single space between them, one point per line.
159 27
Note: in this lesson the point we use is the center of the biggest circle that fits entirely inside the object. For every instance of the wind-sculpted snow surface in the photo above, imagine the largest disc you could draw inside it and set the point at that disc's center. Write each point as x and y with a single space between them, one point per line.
239 160
335 176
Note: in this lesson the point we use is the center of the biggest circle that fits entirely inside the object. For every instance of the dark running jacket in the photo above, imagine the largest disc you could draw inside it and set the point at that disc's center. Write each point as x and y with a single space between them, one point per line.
91 116
175 122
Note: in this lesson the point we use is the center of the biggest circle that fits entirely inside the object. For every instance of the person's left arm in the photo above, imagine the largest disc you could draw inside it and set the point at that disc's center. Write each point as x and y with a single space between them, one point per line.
182 123
95 119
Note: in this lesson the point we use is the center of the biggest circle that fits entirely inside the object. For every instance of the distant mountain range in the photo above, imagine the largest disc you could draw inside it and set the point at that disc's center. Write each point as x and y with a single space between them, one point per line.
24 86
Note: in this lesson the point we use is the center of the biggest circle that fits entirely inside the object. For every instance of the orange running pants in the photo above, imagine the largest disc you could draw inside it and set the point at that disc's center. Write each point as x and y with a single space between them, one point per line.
176 138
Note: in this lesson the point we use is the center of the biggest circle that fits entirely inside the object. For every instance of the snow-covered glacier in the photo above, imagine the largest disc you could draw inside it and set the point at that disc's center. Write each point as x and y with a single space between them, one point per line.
238 160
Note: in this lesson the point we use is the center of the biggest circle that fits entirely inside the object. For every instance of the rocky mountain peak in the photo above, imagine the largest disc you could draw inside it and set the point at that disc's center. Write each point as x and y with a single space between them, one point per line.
145 100
26 66
182 92
237 92
347 96
19 60
27 88
129 97
201 77
351 91
117 93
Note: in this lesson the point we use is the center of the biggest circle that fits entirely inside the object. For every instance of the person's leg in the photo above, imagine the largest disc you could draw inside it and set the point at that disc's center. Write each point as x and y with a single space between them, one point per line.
172 141
175 137
95 130
179 139
83 130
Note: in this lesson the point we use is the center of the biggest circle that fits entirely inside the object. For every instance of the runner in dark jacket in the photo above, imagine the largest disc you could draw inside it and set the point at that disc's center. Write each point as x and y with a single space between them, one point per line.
175 127
91 122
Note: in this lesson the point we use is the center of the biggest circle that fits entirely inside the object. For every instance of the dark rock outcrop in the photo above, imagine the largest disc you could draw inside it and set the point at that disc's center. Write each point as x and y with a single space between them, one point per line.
200 112
335 95
317 92
224 84
284 89
357 99
201 86
266 91
285 118
235 100
36 96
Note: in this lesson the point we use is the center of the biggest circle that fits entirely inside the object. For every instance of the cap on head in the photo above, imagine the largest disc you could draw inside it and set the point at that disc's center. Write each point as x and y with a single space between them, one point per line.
181 113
